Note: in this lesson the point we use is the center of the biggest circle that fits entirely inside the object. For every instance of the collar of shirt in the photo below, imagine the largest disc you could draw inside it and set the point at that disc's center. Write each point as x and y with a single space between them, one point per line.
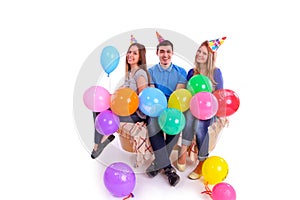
163 69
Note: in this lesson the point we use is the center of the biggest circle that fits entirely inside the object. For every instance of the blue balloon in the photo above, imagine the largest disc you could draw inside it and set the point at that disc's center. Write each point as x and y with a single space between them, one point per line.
109 59
152 101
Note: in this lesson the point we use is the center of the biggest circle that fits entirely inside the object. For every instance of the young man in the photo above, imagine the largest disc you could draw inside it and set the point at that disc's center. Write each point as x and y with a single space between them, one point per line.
167 77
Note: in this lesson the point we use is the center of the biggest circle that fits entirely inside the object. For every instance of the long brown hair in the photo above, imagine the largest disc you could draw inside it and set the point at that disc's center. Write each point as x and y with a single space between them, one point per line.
210 64
142 63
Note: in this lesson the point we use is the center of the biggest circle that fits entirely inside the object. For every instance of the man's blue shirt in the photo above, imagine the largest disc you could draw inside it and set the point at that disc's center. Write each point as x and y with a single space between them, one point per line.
167 79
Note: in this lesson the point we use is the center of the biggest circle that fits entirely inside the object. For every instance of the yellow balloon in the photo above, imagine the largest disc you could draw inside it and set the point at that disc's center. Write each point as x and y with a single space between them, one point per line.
214 170
180 100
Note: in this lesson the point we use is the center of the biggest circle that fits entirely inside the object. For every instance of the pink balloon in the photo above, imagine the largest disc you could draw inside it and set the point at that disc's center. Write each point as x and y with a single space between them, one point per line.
223 191
203 105
96 98
106 123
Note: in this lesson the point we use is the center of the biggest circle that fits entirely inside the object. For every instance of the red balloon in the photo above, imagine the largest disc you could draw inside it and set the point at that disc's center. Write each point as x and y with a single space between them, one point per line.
228 100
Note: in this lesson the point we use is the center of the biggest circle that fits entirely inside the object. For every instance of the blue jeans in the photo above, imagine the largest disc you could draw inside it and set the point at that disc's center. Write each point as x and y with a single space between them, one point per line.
200 127
161 145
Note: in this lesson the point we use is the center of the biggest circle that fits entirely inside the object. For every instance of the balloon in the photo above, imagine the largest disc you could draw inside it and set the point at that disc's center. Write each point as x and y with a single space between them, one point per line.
214 170
203 105
152 101
228 100
119 179
124 101
223 191
180 99
106 123
171 121
96 98
199 83
109 59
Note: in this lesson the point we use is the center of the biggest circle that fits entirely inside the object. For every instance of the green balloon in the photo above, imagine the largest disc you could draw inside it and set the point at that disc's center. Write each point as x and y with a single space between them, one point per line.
171 121
199 83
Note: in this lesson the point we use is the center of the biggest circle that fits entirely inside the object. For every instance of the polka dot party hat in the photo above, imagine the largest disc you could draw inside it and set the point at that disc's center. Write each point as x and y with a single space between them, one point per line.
215 44
132 39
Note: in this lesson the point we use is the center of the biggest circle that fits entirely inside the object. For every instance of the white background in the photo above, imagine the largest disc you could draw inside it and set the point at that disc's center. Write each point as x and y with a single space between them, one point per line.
44 43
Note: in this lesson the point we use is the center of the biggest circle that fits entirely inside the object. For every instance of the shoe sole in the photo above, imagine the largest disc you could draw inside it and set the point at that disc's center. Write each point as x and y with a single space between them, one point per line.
194 176
174 184
151 176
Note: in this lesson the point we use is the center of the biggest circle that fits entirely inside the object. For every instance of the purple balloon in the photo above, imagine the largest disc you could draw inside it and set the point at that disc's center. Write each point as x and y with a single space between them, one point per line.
119 179
106 123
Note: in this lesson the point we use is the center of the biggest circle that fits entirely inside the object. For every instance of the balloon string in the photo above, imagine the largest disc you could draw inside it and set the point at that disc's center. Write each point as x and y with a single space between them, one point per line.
109 83
207 190
128 197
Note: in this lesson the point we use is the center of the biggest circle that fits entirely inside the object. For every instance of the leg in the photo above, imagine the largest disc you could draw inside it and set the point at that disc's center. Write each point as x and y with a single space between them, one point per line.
98 147
189 128
187 137
160 148
97 136
130 119
156 137
203 145
197 172
203 138
171 141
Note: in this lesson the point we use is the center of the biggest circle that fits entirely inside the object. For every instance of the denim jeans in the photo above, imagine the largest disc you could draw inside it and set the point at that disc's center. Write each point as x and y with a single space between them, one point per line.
200 127
162 144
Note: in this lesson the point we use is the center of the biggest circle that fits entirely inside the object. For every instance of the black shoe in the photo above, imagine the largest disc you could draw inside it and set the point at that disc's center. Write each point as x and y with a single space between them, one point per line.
173 178
101 146
152 170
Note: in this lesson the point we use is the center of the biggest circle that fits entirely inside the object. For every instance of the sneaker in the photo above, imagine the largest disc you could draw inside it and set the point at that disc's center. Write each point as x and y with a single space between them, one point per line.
101 146
152 170
173 178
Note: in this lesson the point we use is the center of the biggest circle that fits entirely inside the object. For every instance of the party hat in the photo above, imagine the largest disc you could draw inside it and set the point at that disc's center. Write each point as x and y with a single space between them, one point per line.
215 44
132 39
159 37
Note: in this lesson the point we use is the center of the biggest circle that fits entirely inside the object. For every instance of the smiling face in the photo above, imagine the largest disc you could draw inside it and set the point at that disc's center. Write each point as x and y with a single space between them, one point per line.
165 54
202 55
133 56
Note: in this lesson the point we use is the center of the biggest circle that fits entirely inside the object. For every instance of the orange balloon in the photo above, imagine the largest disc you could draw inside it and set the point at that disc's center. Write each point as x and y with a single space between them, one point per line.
124 102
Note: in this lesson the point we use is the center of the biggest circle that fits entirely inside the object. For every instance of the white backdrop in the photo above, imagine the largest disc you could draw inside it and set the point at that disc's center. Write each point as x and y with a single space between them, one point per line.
44 44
